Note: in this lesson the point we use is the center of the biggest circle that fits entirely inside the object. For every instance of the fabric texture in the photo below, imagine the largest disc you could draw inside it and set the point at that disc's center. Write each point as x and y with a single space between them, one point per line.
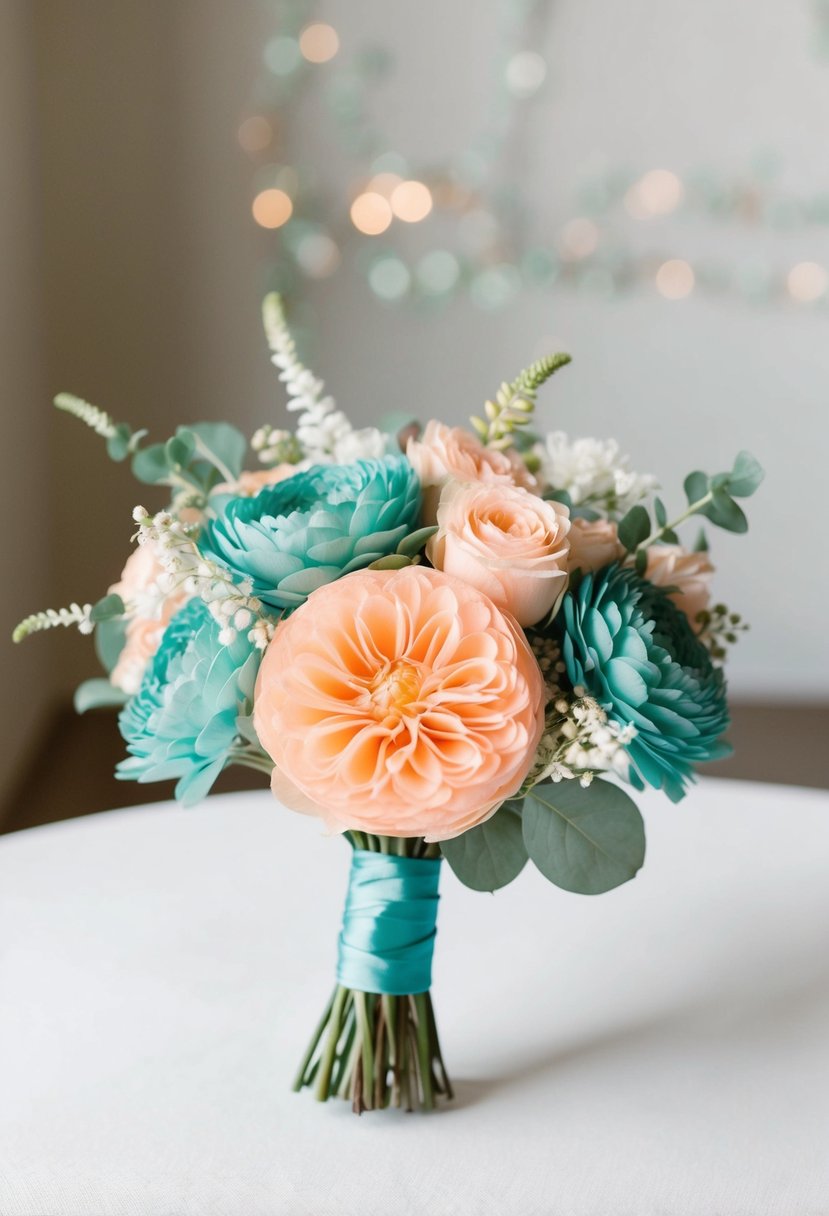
389 924
660 1051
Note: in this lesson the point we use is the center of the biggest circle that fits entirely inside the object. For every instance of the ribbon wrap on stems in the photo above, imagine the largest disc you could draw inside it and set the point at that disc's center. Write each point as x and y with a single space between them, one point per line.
388 934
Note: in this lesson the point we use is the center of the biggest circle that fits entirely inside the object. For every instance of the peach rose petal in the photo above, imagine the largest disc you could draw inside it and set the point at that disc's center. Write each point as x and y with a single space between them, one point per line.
690 573
510 544
443 452
401 703
594 544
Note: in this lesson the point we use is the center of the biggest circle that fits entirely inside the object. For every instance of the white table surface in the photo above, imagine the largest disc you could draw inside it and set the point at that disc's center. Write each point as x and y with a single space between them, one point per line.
663 1049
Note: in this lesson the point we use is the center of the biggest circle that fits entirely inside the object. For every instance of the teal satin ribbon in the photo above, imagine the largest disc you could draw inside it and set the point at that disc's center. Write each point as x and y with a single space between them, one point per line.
388 933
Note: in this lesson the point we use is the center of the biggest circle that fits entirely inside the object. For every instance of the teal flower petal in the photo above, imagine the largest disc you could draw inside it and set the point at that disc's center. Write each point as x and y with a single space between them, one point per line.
314 527
625 641
183 720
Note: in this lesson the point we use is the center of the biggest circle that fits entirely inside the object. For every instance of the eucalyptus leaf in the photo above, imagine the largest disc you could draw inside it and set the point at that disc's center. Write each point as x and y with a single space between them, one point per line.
701 543
93 694
219 443
489 856
634 528
119 444
724 512
669 536
559 496
584 840
109 638
641 561
660 512
696 486
411 545
745 476
151 465
106 608
180 448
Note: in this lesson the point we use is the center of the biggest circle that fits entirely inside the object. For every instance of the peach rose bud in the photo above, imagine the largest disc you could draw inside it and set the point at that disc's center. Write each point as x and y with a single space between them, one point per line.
594 544
510 544
689 573
449 452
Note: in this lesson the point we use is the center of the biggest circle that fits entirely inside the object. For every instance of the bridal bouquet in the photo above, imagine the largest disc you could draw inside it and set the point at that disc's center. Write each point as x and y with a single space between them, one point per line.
444 643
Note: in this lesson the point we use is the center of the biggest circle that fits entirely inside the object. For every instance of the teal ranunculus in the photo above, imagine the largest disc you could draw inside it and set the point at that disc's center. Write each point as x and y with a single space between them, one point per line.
183 720
635 652
316 526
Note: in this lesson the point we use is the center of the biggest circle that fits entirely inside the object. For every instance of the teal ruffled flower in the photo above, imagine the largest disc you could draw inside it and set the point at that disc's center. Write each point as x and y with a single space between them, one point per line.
316 526
635 652
183 720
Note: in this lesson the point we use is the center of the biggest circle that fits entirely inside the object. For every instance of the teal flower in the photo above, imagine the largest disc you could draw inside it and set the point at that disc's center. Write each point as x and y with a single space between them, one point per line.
183 720
314 527
635 652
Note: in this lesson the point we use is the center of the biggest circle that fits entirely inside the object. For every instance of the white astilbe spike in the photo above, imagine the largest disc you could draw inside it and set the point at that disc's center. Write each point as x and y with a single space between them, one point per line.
99 421
75 614
324 433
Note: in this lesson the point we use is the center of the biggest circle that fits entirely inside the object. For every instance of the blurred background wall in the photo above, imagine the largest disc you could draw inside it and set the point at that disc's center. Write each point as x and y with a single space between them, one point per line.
132 275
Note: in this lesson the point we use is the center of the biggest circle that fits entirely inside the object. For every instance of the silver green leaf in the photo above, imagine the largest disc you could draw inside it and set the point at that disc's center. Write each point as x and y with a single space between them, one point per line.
489 856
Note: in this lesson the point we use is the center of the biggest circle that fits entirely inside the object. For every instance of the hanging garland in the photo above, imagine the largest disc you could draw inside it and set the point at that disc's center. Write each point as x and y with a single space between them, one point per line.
476 234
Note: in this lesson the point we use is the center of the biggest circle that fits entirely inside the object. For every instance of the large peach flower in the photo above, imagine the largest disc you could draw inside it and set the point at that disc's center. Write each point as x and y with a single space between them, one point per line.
445 452
689 573
510 544
594 544
151 612
399 702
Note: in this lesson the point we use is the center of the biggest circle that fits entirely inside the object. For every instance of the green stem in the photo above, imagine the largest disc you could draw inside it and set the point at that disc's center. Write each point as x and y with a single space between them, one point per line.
334 1027
424 1049
312 1047
251 759
673 524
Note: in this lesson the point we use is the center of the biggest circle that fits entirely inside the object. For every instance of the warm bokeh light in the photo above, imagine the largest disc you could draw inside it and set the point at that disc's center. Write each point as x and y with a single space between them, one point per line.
319 42
675 279
255 133
272 208
411 201
658 192
807 281
579 238
371 213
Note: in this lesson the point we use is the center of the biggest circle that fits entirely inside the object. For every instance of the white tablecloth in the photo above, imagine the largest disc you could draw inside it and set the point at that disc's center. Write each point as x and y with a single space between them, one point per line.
663 1049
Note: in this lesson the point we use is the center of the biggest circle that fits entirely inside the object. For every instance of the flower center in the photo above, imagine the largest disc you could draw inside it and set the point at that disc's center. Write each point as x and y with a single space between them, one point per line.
394 688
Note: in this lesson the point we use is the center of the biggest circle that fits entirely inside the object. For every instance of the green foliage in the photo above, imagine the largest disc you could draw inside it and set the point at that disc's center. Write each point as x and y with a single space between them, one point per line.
491 855
634 528
107 608
392 561
110 636
411 545
94 694
584 840
197 457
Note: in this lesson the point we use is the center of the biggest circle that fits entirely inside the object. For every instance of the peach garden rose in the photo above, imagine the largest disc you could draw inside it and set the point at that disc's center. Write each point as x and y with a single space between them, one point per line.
401 703
510 544
443 452
594 544
690 573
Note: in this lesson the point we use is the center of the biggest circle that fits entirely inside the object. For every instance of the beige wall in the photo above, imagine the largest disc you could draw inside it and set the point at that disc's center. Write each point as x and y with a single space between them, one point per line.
26 687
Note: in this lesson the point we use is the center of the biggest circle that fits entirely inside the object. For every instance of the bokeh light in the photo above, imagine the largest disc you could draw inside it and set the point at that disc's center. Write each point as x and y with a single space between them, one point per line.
675 279
389 278
438 272
525 73
318 255
282 55
319 42
807 282
255 133
371 214
411 201
579 238
658 192
272 208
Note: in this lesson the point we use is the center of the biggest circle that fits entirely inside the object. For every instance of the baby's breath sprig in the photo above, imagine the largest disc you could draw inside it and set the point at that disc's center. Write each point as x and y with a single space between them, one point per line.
75 614
514 403
719 628
232 605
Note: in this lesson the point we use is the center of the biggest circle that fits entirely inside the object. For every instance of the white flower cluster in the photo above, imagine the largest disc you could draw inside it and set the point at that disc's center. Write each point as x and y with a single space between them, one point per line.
592 471
231 604
325 434
580 741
